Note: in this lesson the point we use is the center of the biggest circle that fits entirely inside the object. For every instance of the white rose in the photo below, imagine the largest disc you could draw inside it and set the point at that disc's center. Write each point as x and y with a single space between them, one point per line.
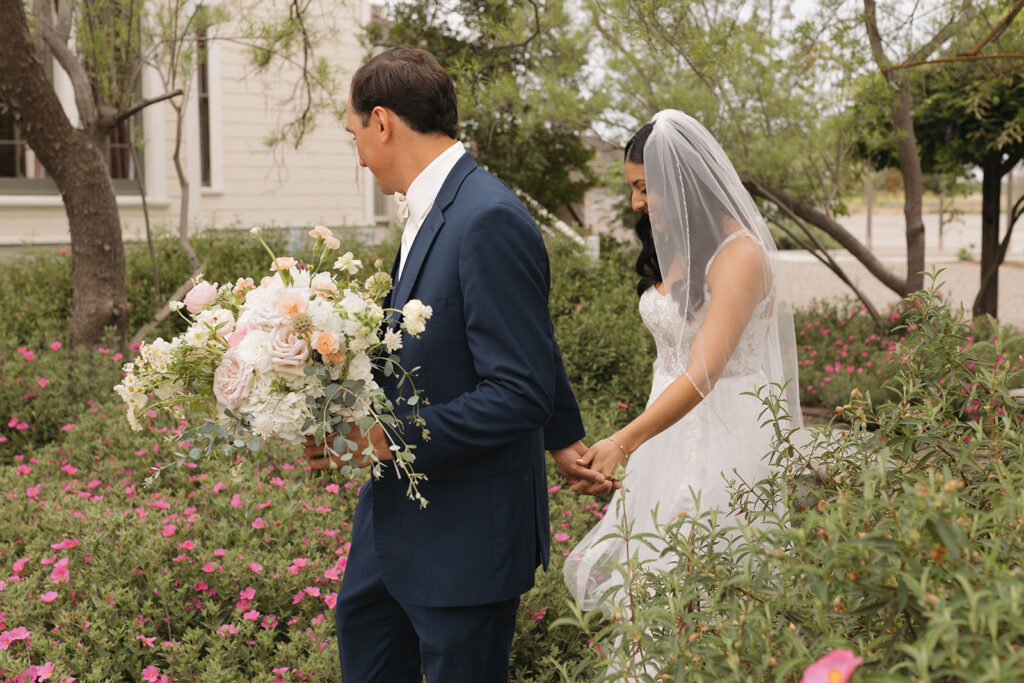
253 349
288 352
232 380
323 284
415 316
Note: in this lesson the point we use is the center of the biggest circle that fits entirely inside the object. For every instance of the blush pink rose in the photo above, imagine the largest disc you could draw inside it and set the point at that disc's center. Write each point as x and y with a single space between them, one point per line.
835 667
200 296
232 380
288 352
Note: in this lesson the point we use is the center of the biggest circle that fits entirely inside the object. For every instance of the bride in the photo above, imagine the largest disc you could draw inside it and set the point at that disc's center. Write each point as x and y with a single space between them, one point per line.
711 293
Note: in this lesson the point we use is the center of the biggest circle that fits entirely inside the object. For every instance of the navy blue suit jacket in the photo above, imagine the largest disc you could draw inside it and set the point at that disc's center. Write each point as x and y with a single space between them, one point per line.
498 393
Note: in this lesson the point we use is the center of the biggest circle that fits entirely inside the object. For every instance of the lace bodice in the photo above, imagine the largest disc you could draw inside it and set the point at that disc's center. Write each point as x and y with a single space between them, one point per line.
674 336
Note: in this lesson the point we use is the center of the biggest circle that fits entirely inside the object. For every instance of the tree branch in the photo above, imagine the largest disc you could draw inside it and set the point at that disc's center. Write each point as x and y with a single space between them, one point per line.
536 31
958 58
874 37
998 29
823 256
794 207
1015 155
80 81
139 106
944 33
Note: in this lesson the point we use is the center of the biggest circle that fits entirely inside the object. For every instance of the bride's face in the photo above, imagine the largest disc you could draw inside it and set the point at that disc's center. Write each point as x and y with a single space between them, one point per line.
638 185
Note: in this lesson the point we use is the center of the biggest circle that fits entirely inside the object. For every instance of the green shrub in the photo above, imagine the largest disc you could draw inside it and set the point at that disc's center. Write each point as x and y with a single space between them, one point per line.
896 536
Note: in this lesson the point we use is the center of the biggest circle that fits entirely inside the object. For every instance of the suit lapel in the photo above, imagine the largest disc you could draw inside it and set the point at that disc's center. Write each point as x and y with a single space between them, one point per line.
432 225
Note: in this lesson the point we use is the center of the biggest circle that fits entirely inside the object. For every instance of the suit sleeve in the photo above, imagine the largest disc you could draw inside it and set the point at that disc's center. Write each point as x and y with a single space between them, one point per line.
565 426
503 275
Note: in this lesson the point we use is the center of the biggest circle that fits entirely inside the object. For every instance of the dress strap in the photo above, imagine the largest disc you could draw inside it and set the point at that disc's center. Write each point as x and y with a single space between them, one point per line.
739 233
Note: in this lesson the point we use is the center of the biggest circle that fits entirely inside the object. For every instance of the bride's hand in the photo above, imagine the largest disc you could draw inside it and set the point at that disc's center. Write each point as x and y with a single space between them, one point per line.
605 457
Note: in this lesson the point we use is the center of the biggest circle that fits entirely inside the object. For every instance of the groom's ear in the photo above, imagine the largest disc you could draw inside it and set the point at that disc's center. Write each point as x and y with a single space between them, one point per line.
383 121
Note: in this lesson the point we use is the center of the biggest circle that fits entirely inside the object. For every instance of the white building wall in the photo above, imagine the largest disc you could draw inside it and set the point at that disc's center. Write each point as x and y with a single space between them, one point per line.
319 183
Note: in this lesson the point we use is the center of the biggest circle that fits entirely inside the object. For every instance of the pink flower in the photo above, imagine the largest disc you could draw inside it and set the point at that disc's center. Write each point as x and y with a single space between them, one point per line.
49 596
151 674
236 501
288 351
169 530
256 568
200 296
258 523
56 346
239 334
251 615
232 380
835 667
283 263
561 537
60 571
42 382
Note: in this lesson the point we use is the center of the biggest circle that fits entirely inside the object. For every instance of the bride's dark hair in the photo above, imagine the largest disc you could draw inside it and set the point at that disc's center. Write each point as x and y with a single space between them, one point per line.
647 262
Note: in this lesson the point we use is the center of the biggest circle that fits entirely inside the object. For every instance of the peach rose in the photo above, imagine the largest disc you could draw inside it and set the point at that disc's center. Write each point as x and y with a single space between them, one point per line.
243 285
232 380
200 296
326 343
288 352
283 263
291 304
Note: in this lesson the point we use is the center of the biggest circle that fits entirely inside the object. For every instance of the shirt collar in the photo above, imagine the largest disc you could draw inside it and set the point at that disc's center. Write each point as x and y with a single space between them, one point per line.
423 190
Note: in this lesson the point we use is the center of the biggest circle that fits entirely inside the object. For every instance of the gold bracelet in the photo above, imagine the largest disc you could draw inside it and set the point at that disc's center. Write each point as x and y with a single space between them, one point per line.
621 447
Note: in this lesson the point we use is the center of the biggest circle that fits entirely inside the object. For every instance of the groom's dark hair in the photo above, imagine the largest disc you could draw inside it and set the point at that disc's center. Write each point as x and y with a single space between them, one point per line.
412 84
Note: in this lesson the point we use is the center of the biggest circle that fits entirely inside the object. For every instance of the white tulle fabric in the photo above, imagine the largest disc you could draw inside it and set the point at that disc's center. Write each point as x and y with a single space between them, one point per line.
698 208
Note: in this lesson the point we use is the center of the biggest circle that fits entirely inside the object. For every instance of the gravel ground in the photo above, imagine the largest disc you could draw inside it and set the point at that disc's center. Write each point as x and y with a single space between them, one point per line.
809 279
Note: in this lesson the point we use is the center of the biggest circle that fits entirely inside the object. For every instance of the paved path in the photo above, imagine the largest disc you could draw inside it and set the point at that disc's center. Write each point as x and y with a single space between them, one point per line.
809 279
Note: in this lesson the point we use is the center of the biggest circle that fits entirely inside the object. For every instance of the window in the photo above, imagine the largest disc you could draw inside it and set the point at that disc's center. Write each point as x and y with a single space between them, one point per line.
203 91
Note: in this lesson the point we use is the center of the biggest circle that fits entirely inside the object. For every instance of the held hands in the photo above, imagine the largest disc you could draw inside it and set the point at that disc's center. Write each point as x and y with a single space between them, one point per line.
375 437
605 457
580 479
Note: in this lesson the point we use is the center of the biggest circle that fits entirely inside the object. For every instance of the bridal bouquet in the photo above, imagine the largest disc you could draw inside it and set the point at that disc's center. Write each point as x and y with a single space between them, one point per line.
288 358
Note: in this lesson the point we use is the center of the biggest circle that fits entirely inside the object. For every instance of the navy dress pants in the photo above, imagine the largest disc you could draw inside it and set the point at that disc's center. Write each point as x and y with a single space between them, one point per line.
383 640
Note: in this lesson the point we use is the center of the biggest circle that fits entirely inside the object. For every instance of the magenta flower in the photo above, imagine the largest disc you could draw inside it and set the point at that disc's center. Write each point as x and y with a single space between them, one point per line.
151 674
48 596
835 667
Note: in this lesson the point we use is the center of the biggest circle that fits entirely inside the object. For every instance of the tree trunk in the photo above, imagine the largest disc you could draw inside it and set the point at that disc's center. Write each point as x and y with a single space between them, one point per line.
913 184
71 159
988 294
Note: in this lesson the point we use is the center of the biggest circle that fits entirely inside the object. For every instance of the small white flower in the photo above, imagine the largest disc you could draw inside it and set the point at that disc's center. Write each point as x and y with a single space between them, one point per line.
176 306
347 263
415 316
392 340
255 232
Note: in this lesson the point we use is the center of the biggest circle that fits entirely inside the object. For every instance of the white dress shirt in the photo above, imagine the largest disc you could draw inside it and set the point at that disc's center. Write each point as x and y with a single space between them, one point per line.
422 193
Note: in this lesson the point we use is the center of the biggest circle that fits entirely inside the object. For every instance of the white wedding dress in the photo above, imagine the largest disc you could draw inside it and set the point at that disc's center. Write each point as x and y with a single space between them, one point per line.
668 473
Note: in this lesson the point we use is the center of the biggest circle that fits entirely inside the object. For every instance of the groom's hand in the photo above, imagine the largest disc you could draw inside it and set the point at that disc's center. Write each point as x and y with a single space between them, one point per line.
580 479
375 437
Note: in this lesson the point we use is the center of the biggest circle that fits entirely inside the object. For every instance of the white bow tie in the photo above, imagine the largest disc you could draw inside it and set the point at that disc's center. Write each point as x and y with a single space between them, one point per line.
403 207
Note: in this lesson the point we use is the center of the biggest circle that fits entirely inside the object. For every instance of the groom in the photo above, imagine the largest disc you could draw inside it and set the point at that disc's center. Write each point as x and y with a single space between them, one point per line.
435 591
